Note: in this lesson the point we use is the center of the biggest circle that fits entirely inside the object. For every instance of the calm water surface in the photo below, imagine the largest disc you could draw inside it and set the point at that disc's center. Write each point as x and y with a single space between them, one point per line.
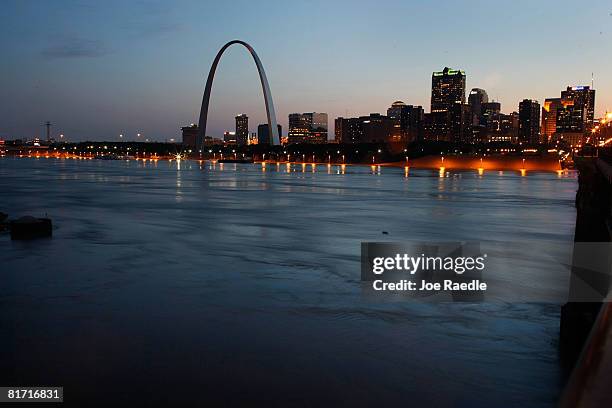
228 283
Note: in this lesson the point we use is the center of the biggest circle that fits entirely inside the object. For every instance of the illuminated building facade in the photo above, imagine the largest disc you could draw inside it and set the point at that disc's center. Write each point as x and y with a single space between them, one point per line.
408 121
570 119
307 128
581 98
452 125
375 128
242 129
490 118
549 117
447 89
348 130
450 116
229 138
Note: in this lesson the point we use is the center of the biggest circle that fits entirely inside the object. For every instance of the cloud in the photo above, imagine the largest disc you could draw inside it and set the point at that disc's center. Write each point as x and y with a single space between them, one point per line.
75 48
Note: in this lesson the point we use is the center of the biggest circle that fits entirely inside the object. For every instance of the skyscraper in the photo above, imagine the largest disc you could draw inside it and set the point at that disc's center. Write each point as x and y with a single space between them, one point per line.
581 98
318 130
348 130
476 98
447 89
307 127
242 129
190 136
460 123
549 117
529 121
263 134
449 117
299 128
570 119
408 121
490 118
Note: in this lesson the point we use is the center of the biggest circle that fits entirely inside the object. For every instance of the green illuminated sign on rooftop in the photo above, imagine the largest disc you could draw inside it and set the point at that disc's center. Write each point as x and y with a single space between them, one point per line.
448 71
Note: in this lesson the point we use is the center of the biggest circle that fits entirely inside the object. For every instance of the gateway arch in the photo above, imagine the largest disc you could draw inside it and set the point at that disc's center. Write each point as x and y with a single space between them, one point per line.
264 84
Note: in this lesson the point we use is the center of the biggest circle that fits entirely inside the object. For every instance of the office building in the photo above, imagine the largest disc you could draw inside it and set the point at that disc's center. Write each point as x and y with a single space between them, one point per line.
264 136
549 118
447 89
191 136
408 121
374 128
476 99
348 130
490 118
450 116
308 127
581 98
529 122
242 129
570 119
229 138
437 126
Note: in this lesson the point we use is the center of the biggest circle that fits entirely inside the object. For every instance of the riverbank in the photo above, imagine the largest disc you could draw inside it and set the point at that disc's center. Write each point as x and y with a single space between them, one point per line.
514 163
486 163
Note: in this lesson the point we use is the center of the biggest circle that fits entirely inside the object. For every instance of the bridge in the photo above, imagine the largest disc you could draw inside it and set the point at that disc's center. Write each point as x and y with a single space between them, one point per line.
586 320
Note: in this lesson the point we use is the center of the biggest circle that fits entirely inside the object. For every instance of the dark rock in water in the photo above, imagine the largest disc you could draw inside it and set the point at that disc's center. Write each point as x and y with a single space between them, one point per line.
385 233
30 227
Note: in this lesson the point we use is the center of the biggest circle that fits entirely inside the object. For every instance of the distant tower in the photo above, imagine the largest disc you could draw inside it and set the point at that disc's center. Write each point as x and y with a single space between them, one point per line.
582 98
48 126
242 129
447 89
450 116
476 99
408 121
549 117
529 121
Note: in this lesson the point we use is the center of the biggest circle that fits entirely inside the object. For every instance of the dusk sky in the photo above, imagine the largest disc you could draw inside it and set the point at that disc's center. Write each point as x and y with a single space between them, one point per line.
98 69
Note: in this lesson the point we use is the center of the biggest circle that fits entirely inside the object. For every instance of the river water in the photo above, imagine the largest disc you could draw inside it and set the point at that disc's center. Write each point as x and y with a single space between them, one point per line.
167 283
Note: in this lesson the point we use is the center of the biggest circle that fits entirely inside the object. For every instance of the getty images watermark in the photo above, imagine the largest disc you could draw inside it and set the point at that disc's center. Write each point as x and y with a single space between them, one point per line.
540 271
424 270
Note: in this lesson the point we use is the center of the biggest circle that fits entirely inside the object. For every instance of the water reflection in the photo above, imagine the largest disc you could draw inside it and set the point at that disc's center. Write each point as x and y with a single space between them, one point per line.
239 276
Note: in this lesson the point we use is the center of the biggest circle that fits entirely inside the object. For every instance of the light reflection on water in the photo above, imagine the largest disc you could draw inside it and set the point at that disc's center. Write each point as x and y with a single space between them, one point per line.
224 277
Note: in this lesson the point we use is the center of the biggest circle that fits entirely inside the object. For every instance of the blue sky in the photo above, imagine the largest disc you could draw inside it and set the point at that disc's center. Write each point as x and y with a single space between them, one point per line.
98 69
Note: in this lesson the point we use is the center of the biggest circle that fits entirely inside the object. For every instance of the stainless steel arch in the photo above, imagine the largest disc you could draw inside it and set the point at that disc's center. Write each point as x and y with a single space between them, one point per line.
264 84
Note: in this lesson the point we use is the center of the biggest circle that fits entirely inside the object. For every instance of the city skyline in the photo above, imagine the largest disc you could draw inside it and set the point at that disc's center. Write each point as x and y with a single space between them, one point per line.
145 74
